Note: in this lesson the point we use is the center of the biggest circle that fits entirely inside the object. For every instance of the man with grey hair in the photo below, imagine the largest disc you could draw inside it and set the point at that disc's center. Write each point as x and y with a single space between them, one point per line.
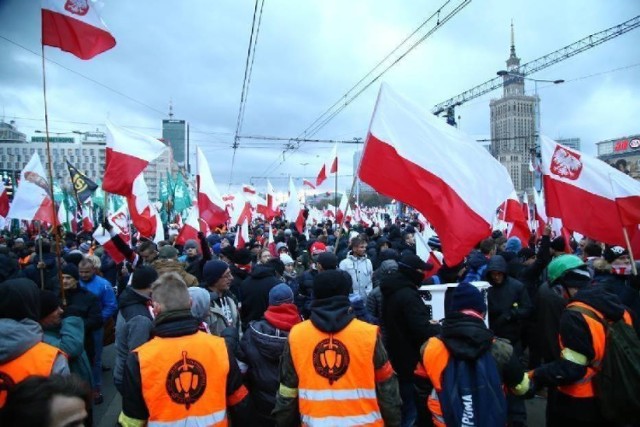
183 375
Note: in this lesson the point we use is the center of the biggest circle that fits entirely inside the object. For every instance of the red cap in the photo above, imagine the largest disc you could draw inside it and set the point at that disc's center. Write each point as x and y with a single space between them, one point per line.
317 248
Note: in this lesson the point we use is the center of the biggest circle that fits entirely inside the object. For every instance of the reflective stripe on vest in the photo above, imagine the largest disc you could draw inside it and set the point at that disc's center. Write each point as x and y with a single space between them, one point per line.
583 388
184 380
336 374
38 360
205 420
434 360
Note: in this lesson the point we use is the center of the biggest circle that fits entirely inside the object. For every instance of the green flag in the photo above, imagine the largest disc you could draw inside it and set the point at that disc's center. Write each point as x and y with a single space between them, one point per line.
98 197
58 194
163 191
181 198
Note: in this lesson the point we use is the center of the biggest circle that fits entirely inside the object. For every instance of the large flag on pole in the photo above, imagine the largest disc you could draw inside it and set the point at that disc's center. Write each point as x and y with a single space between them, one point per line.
82 185
32 200
608 199
210 203
75 27
414 157
332 166
269 209
127 154
4 200
142 213
293 211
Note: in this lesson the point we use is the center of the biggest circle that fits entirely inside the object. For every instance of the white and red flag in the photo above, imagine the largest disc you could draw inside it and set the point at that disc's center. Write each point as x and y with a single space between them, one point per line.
308 184
189 230
242 235
424 251
140 209
413 156
4 200
127 154
269 208
32 200
342 208
210 204
293 212
513 214
87 221
590 196
331 165
75 26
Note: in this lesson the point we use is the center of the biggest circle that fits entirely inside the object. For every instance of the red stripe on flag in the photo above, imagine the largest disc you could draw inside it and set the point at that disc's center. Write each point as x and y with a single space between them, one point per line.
120 172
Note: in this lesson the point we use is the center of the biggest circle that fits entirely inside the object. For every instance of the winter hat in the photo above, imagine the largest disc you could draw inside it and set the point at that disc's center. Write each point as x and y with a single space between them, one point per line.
331 283
513 245
71 270
49 302
200 302
228 251
558 244
613 253
143 277
317 248
213 271
496 234
277 265
85 247
413 262
526 253
468 297
212 239
280 294
190 244
387 254
288 232
328 260
74 257
167 252
216 248
576 278
434 243
286 259
281 245
242 256
19 299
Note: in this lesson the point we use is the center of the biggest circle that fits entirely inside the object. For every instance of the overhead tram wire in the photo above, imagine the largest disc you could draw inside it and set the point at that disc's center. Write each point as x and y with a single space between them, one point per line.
248 68
345 100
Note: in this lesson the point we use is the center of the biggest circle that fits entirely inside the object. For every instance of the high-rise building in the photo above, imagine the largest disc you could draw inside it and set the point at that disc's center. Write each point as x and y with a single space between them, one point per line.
175 134
513 124
622 153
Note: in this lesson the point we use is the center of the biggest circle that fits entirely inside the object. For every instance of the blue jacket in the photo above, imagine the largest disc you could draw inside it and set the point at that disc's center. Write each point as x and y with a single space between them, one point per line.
69 337
101 288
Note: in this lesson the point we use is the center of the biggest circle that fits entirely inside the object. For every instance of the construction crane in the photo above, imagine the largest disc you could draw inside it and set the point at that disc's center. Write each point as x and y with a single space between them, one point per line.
541 63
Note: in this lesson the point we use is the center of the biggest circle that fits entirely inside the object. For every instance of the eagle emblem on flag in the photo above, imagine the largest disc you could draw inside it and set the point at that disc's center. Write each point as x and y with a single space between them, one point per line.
565 164
77 7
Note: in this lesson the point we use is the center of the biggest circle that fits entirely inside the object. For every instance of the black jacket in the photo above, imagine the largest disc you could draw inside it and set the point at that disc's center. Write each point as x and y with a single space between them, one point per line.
549 307
530 275
84 304
623 286
255 293
509 303
406 319
575 334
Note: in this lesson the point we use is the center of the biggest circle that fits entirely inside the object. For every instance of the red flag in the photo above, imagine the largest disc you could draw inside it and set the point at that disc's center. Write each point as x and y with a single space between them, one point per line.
210 204
442 163
608 199
514 215
75 27
294 210
242 236
308 184
269 210
127 154
189 230
322 175
4 200
142 215
334 160
32 201
87 222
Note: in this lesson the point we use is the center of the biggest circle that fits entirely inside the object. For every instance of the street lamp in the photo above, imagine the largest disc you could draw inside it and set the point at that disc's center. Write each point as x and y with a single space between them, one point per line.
537 120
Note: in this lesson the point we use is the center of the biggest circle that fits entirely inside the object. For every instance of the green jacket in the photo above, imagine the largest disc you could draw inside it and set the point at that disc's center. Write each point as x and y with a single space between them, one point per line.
69 337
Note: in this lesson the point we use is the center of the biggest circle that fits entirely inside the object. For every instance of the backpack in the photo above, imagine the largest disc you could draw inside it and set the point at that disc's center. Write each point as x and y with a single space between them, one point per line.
617 379
474 395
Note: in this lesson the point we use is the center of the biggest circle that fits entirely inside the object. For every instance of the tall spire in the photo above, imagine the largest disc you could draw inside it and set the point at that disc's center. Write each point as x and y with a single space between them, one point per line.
170 109
513 41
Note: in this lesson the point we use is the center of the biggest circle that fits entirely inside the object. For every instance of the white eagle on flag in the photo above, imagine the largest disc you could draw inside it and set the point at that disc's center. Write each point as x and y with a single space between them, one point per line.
565 163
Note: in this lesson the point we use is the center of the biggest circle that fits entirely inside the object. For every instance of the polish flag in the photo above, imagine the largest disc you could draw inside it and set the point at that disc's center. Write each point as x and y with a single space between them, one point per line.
190 228
249 189
4 200
74 26
244 214
608 199
342 208
127 154
105 239
293 211
308 184
269 209
32 200
322 175
250 194
140 209
210 204
539 212
242 236
525 211
333 166
271 239
120 222
455 182
424 251
87 222
514 216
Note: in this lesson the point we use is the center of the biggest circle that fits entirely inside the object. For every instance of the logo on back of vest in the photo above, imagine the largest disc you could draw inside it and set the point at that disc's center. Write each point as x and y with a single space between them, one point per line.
6 383
186 381
331 359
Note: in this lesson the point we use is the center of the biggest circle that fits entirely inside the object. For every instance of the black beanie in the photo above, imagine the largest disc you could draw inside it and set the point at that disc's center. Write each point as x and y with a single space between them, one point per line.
71 270
49 302
143 277
467 297
330 283
558 244
19 299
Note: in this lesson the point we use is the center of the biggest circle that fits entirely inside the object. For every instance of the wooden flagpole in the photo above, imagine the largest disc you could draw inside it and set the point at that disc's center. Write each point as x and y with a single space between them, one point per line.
56 230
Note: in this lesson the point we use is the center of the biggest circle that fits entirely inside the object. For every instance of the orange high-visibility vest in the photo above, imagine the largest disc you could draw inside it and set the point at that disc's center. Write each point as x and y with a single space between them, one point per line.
184 380
336 374
584 386
434 361
38 360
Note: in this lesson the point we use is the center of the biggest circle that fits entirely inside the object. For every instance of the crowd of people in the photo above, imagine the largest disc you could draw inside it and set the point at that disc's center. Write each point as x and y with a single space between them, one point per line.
327 327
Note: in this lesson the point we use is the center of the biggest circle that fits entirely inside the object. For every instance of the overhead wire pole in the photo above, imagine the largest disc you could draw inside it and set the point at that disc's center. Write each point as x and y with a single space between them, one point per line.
441 17
248 68
541 63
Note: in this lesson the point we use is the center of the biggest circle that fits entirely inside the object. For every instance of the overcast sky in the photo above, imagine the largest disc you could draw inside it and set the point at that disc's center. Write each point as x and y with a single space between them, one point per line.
309 53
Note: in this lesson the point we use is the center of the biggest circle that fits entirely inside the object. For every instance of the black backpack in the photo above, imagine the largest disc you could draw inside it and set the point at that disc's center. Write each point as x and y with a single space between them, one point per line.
617 379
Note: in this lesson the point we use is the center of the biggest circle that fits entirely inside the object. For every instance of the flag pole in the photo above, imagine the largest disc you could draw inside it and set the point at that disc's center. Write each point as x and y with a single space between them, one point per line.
56 231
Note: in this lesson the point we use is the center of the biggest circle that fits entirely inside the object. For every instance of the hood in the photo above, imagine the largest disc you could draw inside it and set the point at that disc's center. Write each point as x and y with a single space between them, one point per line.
599 298
476 259
130 297
466 337
200 302
268 340
262 271
17 337
497 263
283 316
331 314
393 282
167 264
388 266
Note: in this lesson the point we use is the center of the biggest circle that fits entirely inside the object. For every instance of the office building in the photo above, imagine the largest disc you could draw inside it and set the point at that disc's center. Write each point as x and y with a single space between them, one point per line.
622 153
